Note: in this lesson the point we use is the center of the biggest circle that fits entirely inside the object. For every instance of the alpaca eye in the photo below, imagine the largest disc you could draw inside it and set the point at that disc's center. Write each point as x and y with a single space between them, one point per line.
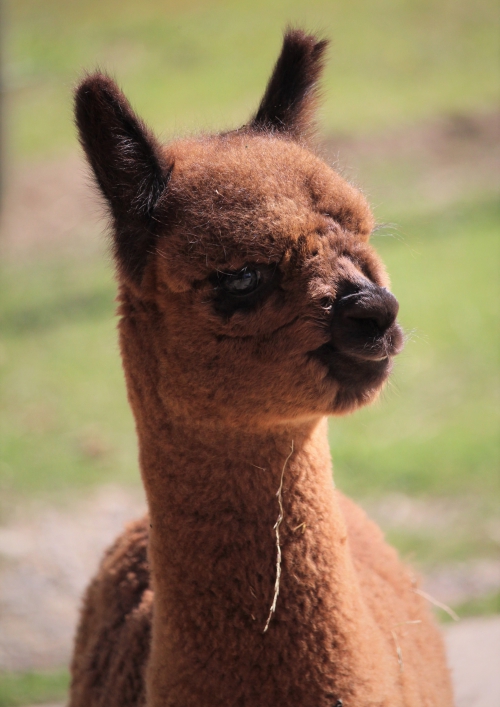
243 289
241 283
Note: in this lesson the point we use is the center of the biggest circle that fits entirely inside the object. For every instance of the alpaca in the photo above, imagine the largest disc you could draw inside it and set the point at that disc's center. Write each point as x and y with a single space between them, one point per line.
251 307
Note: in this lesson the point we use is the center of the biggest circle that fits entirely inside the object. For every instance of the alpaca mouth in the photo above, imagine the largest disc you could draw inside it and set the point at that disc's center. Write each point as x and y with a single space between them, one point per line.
354 371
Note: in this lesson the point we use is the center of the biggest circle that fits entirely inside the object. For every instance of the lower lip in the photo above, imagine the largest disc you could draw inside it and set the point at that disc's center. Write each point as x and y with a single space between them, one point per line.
357 366
334 359
369 359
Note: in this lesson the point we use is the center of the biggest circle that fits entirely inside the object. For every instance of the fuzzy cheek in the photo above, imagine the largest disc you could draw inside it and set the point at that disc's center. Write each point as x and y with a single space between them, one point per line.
169 277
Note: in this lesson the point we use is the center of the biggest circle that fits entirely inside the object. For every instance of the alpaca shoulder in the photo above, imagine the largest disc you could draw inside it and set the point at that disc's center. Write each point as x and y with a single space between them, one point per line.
112 642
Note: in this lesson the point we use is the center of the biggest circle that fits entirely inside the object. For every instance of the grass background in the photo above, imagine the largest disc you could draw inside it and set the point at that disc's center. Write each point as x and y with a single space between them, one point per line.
32 688
64 420
203 64
392 63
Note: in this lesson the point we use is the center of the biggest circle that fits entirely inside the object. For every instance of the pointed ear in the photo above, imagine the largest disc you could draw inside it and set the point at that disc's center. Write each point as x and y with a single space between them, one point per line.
290 99
128 164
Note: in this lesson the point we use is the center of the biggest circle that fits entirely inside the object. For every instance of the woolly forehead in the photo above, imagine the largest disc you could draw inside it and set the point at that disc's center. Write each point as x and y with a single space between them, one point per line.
243 198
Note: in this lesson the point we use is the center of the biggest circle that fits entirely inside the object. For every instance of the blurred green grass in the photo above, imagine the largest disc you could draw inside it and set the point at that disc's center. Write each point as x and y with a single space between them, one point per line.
18 689
480 606
64 416
197 64
65 419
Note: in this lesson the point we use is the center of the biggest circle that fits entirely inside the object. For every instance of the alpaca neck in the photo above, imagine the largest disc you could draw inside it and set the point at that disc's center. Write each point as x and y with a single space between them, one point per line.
214 501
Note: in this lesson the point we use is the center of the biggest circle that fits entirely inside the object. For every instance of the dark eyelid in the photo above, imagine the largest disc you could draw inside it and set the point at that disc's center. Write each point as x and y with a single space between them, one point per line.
235 272
265 269
227 303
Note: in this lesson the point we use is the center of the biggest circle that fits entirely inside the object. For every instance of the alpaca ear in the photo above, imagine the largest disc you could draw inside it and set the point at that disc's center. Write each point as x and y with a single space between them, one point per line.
128 164
290 99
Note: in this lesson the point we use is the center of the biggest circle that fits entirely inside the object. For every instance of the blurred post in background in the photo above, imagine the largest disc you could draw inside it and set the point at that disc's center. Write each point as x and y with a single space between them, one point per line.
1 106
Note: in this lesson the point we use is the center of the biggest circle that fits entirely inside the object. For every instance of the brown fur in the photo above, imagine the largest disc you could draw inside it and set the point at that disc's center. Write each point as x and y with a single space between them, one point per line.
230 389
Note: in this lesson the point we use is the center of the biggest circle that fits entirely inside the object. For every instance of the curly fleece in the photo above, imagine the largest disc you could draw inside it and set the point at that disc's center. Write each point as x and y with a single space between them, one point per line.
230 404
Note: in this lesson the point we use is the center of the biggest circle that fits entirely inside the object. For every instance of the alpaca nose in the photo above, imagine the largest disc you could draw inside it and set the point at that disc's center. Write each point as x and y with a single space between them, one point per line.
364 323
374 307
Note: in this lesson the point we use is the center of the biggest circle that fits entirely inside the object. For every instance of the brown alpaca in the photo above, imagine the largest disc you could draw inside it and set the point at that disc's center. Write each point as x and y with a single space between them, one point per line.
251 307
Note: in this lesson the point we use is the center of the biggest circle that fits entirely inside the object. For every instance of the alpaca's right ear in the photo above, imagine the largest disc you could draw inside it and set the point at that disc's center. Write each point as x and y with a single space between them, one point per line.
129 166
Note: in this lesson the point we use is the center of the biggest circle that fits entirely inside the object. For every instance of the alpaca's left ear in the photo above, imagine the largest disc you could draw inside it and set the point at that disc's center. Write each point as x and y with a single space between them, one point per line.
290 99
129 165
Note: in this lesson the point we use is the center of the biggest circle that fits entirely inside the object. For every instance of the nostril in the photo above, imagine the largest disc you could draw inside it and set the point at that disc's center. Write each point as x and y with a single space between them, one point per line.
326 303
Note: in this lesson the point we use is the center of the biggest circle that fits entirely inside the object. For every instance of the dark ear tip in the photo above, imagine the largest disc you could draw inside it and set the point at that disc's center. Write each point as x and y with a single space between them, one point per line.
288 104
95 83
96 88
307 43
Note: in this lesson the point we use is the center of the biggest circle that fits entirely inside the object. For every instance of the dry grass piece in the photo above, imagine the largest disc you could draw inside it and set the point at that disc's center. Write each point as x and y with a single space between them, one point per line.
278 546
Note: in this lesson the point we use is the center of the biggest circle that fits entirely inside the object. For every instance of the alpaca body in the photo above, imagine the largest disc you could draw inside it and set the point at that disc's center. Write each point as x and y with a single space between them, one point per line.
251 307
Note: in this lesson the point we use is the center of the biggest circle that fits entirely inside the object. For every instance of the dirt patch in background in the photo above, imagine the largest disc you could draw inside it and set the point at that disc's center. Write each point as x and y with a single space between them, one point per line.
49 553
473 648
459 518
433 163
50 207
47 556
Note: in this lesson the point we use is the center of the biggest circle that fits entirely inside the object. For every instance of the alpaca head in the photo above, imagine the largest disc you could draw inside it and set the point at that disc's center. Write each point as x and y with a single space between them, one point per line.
249 290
